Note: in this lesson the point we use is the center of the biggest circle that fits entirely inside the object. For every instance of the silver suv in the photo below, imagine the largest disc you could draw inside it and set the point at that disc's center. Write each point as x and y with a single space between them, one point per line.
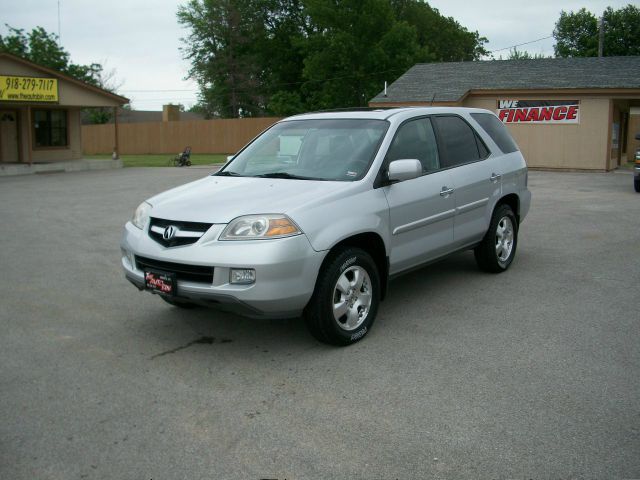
316 214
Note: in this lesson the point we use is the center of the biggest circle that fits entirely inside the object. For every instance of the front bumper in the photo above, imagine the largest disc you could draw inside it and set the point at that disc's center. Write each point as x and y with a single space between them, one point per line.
286 271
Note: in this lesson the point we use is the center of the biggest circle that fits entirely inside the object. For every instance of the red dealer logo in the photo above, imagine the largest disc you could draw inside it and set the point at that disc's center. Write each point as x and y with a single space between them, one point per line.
539 111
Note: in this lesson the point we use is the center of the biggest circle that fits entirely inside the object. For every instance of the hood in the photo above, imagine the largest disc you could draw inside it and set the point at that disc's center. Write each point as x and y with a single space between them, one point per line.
221 199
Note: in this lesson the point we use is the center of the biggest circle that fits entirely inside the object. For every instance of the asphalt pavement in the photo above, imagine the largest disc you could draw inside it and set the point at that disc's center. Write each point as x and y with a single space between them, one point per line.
531 374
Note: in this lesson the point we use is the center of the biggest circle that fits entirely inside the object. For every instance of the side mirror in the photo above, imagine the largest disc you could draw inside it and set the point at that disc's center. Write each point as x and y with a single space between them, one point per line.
229 158
637 136
401 170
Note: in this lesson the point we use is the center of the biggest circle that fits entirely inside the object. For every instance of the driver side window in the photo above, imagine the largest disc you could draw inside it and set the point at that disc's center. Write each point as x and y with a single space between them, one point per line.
416 140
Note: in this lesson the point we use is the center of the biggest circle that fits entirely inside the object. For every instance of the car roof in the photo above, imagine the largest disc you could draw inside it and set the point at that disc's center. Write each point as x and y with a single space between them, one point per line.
382 114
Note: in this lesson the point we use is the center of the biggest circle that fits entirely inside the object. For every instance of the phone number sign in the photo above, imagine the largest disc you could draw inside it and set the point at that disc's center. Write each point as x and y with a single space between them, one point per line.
28 89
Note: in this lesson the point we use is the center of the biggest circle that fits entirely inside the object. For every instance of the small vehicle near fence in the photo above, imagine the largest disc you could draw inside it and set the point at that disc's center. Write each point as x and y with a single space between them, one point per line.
320 211
183 159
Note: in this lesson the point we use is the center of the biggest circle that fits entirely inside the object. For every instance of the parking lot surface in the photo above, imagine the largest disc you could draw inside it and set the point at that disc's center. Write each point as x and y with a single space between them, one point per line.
534 373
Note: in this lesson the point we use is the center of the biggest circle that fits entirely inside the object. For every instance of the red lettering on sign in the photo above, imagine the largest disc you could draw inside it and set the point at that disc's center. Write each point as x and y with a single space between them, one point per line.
560 113
540 113
533 114
158 283
520 116
545 114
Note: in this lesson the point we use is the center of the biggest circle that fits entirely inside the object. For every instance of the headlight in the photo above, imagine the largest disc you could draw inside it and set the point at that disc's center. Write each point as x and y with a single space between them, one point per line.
141 214
260 227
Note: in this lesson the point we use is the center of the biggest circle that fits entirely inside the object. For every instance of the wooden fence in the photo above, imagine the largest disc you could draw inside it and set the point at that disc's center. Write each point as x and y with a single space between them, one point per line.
203 136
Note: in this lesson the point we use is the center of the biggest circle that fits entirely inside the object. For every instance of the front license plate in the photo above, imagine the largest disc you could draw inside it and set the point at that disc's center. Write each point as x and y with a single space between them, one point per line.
161 282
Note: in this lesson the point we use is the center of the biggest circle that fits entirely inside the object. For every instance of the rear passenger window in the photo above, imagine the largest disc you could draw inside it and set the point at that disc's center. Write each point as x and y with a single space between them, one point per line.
482 148
458 140
416 140
497 131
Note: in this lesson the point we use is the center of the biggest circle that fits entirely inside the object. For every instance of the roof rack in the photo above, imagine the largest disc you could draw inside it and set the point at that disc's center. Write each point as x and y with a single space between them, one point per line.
353 109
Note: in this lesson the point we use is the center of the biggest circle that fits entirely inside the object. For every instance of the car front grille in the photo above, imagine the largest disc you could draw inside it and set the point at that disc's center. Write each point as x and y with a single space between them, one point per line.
189 273
182 233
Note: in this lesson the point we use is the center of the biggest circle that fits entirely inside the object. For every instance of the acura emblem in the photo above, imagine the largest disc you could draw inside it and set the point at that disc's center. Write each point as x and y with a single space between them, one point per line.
169 232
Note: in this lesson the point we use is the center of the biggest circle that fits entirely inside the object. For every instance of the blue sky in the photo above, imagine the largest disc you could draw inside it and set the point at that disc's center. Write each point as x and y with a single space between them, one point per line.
140 39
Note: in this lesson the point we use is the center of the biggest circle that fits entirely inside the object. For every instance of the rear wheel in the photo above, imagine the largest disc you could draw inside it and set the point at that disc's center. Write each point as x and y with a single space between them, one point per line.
636 183
498 247
345 302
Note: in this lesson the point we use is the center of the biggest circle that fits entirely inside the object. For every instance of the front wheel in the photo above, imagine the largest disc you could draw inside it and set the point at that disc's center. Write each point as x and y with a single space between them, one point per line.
345 301
498 247
636 183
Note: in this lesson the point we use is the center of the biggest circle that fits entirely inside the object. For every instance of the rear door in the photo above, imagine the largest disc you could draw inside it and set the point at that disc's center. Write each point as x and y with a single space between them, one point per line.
511 161
475 176
421 210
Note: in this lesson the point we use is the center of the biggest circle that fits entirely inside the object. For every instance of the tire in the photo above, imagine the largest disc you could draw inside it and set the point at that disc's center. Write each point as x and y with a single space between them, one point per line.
188 163
346 298
636 184
498 247
178 303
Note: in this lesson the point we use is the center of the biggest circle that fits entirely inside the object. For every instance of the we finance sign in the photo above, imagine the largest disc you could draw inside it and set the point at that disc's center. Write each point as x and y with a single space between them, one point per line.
539 111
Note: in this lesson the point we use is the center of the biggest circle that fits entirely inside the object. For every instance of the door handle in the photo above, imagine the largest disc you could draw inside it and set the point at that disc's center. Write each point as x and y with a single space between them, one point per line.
495 177
446 191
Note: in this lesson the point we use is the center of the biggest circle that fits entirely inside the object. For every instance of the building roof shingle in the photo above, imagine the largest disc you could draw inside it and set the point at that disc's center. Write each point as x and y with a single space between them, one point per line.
449 82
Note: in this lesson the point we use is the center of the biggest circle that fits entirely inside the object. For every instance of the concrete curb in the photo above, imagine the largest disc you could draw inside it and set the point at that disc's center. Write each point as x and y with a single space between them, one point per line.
55 167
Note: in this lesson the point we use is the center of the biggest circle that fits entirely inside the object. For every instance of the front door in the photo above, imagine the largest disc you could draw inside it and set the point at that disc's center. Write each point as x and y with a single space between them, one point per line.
9 136
421 215
421 210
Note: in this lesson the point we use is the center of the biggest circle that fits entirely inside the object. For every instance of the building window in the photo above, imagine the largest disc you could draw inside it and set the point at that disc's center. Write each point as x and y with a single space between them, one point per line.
50 127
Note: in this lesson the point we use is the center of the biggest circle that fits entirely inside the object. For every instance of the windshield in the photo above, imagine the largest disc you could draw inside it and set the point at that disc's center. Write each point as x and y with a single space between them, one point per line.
311 149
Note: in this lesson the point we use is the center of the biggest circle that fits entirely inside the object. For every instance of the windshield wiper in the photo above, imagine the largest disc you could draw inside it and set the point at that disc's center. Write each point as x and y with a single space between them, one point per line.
227 173
284 175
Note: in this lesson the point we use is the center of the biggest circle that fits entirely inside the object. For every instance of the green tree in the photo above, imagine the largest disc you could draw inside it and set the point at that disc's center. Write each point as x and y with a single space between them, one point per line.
252 57
353 49
515 54
222 49
42 48
198 108
576 33
445 39
284 103
622 31
282 56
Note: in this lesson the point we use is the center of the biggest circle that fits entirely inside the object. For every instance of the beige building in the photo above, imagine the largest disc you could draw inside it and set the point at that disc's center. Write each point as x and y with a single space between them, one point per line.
564 113
40 112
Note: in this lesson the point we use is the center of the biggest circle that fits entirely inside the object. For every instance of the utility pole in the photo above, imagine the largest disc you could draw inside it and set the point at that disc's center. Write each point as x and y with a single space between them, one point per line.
601 37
